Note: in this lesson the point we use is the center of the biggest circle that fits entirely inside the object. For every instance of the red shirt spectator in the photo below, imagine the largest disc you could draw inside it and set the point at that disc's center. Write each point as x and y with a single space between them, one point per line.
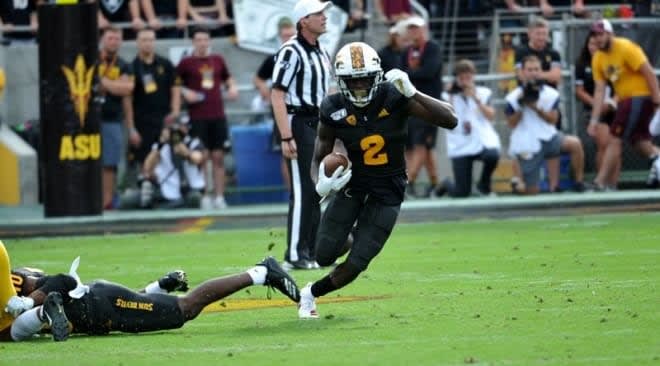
205 74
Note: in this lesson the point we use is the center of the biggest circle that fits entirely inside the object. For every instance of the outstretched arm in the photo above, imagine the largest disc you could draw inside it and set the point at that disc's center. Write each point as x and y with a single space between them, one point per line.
432 110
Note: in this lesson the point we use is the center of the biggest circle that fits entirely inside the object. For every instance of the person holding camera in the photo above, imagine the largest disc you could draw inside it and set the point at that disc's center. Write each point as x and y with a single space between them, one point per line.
532 113
474 138
173 175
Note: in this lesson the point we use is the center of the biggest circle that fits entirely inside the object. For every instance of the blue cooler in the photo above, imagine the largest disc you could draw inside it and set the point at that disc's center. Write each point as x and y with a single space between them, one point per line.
566 181
258 175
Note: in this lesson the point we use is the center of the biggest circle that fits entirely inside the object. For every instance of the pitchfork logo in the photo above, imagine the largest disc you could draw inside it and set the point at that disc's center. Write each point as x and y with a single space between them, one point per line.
80 86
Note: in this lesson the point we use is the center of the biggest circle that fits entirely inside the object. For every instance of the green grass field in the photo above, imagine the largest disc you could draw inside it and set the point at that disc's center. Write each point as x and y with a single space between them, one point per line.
544 291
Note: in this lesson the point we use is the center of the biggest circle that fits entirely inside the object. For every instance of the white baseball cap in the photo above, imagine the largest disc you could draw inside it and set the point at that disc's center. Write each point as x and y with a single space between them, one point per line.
304 8
602 26
414 21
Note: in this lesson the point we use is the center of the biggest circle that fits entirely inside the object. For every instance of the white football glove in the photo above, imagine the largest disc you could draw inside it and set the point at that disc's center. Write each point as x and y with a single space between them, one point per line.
18 304
335 182
401 82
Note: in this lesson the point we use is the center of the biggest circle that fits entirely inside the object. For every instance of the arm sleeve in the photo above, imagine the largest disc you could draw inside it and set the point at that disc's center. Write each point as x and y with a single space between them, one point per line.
579 74
286 67
555 59
518 56
126 69
635 56
224 70
180 72
265 71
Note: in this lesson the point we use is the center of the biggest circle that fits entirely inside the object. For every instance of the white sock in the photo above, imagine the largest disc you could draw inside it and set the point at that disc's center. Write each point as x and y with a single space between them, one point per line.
26 325
258 274
307 291
154 288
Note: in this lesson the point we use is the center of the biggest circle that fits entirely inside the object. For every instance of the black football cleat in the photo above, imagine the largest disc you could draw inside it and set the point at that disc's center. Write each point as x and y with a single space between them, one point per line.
53 314
277 278
174 281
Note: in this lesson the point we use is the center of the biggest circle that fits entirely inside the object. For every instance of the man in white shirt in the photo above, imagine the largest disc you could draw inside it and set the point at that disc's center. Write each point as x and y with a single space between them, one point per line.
532 113
474 138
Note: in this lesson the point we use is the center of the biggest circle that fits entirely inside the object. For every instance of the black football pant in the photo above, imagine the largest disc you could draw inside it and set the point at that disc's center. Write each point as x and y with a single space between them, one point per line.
304 210
374 225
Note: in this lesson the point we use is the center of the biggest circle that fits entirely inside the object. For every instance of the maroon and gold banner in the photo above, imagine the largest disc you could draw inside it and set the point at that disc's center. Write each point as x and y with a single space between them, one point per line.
70 155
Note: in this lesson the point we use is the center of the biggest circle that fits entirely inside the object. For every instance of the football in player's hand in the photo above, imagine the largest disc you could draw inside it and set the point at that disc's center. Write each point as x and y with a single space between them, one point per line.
333 161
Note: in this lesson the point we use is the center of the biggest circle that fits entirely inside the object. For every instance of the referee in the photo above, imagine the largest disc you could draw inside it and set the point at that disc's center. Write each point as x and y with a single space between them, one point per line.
300 82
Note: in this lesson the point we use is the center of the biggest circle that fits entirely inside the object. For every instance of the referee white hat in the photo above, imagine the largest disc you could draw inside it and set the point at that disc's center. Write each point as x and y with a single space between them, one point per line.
304 8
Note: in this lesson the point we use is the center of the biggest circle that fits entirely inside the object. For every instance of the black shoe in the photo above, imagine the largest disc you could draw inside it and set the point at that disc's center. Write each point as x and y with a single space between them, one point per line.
581 187
53 314
174 281
444 187
277 278
430 189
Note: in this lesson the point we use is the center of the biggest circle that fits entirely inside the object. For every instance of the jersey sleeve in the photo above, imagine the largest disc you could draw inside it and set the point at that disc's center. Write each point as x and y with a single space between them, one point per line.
126 69
555 58
519 54
265 71
579 74
224 70
286 65
635 56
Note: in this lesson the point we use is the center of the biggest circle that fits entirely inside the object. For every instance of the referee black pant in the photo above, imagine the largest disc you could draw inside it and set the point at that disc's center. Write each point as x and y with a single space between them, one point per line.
304 210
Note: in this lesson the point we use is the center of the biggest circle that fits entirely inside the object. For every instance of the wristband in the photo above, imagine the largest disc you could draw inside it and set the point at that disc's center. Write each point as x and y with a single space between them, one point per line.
287 139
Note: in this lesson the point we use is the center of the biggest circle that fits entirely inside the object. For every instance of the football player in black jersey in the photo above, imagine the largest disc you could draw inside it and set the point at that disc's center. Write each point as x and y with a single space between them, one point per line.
101 306
369 116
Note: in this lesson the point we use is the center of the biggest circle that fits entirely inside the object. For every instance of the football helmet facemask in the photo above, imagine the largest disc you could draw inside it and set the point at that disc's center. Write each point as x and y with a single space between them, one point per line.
358 72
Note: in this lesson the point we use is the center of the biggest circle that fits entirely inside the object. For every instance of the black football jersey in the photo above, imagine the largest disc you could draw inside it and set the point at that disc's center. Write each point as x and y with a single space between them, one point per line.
374 136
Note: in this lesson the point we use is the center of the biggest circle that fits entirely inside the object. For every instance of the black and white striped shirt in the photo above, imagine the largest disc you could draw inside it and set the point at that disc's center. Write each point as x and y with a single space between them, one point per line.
303 71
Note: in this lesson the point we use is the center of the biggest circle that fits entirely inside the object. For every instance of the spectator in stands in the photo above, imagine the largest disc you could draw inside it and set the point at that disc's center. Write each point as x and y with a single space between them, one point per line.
474 138
262 81
215 15
538 33
159 11
624 64
115 84
156 99
422 62
532 114
19 13
391 55
173 174
206 74
120 11
356 10
391 11
584 90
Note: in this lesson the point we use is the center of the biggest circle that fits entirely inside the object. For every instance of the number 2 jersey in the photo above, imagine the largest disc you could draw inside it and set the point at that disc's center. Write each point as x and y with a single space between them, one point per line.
375 138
